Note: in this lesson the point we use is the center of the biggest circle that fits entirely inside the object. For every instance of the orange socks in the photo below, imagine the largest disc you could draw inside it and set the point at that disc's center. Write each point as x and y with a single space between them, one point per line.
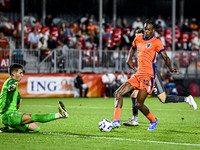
151 117
117 113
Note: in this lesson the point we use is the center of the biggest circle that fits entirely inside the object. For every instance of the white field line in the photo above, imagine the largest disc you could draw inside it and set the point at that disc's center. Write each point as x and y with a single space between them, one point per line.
120 139
86 107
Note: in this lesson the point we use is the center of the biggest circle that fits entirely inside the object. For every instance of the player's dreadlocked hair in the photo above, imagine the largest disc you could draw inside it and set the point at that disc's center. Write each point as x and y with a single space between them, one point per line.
149 21
13 67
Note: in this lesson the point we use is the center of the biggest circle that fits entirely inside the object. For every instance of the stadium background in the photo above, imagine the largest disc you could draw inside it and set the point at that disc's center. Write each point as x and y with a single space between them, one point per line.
131 9
72 11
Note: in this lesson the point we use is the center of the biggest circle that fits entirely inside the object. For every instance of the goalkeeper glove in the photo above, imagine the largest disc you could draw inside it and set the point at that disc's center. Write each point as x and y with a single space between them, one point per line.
12 87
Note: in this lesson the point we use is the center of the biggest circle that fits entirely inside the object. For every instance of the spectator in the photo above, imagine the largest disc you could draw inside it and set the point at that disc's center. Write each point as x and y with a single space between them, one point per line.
85 20
4 43
31 21
125 42
67 31
75 28
44 50
179 45
65 56
78 83
106 57
196 43
158 27
48 20
169 22
4 46
33 38
186 26
162 22
168 82
162 38
108 80
168 47
60 39
92 19
116 58
137 24
123 55
122 22
17 31
187 45
84 31
105 21
63 27
194 26
57 21
51 43
43 34
92 27
121 78
89 41
4 22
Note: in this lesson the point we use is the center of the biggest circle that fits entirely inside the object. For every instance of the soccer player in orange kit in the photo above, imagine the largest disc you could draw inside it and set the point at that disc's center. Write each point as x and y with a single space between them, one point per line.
147 47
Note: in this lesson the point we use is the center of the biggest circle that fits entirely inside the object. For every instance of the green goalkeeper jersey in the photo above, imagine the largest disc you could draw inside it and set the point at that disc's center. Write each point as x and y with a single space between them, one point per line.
9 99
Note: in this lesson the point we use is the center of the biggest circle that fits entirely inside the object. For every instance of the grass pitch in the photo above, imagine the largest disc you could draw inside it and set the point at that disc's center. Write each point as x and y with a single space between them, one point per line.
178 126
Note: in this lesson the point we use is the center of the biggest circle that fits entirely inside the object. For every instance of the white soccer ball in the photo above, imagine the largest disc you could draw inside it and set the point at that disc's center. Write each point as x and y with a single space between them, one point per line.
105 125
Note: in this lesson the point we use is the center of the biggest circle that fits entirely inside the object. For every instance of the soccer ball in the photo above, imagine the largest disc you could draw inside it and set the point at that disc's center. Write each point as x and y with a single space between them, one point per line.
105 125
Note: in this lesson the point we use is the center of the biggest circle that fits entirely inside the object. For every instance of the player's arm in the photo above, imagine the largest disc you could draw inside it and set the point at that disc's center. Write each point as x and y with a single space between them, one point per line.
19 100
167 61
129 58
12 85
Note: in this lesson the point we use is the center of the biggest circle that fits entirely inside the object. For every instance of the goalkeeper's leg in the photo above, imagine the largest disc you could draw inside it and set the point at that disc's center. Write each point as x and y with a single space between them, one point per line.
28 118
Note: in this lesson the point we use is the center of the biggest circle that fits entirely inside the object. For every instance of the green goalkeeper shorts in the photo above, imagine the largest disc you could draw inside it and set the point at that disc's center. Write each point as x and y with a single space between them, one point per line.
13 119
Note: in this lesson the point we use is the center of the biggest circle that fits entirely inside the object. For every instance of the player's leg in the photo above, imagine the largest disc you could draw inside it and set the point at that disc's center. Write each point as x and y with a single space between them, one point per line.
134 120
146 87
28 118
81 91
160 92
85 87
123 89
33 127
144 109
177 99
14 122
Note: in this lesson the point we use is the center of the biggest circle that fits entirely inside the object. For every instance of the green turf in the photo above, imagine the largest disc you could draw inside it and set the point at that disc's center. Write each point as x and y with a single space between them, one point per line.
178 126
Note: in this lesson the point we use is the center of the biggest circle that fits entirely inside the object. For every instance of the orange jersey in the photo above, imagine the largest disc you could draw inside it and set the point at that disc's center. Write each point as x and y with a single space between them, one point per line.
147 50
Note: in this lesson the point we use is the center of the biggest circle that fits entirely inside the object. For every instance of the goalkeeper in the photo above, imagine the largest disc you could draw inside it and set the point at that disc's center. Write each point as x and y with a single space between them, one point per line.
9 103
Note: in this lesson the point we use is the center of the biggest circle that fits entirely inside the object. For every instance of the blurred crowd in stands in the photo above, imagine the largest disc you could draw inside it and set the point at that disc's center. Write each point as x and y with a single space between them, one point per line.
84 34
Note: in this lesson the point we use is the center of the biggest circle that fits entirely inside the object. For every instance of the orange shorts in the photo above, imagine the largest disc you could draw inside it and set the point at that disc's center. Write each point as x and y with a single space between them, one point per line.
142 82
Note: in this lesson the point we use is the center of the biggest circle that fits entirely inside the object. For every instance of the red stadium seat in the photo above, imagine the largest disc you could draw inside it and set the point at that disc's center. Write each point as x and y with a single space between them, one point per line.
168 39
117 34
29 29
55 32
193 55
126 29
110 30
185 37
168 31
184 59
9 31
193 89
192 36
177 56
177 35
